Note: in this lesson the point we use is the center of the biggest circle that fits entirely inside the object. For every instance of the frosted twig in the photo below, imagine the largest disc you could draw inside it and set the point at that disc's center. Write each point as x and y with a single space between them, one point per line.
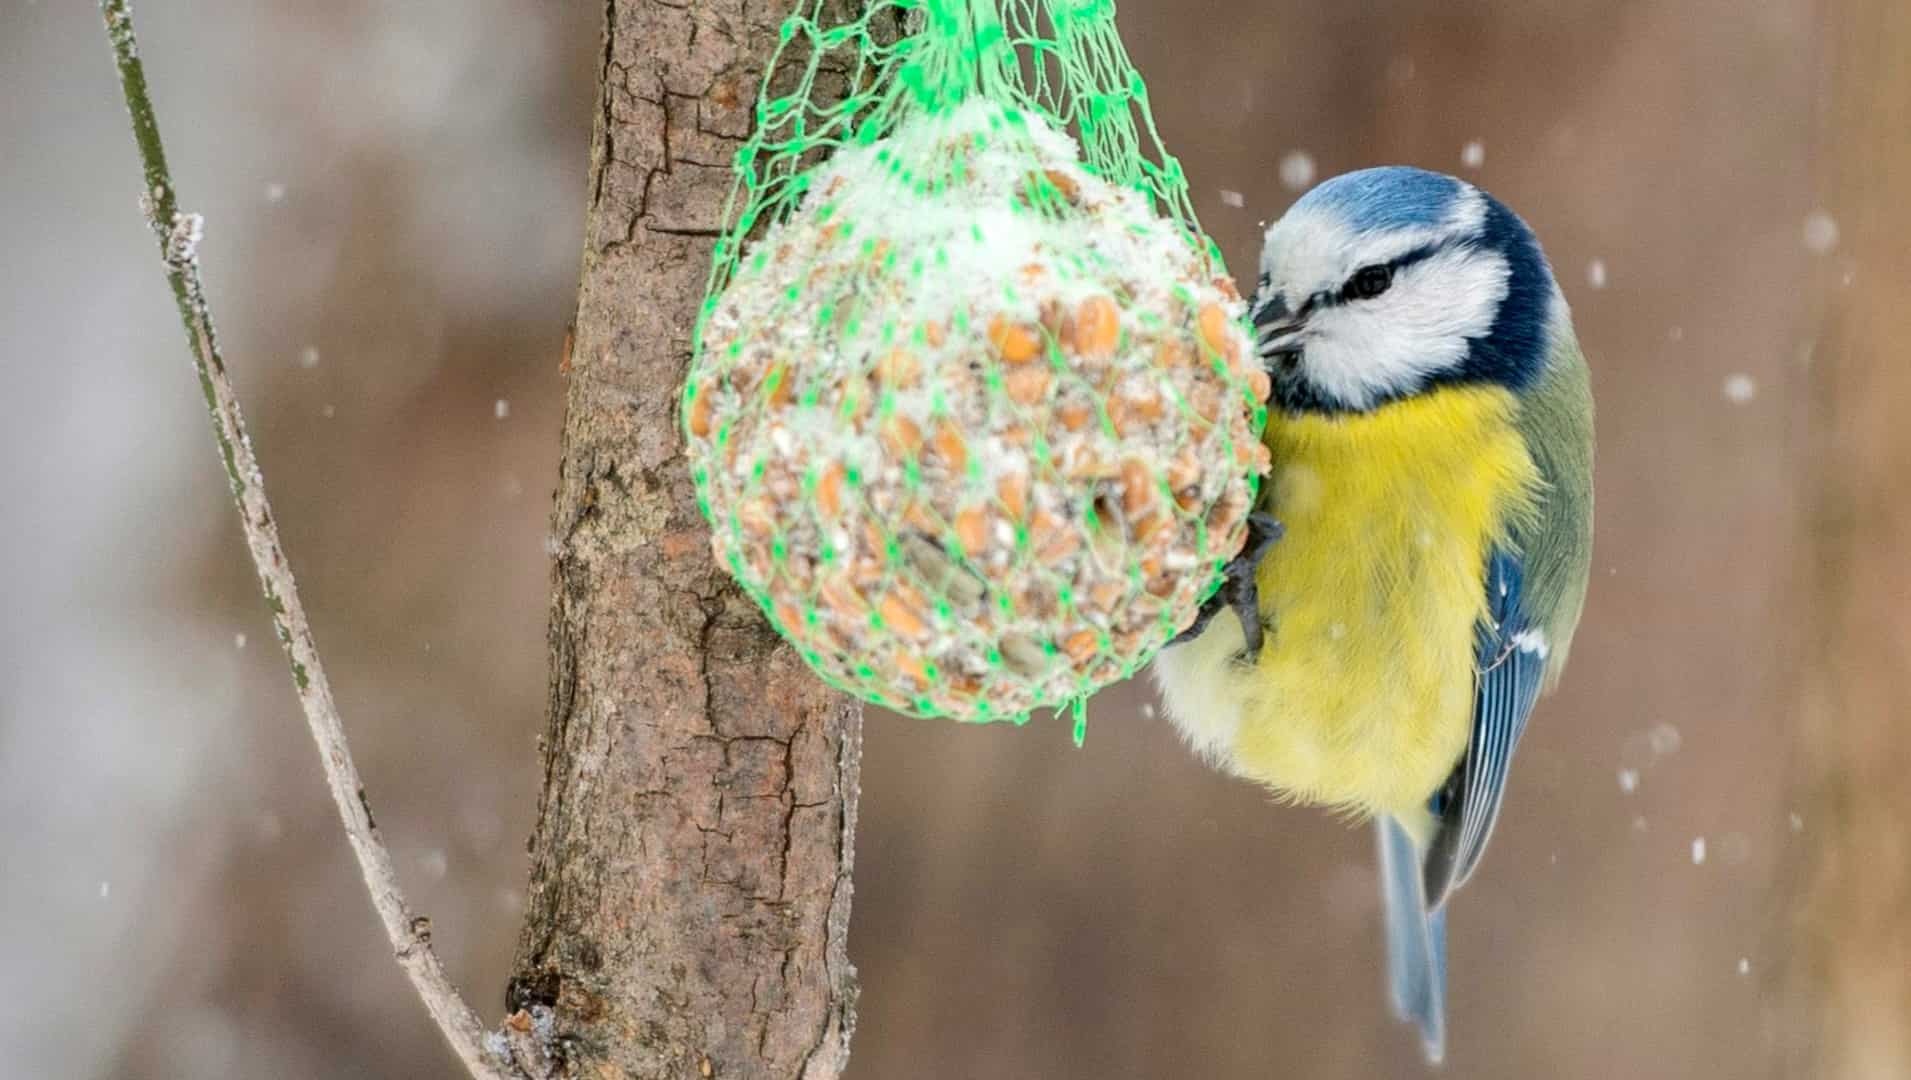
178 236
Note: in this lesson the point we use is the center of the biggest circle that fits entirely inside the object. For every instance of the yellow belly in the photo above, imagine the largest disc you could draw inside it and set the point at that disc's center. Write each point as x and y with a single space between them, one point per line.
1363 695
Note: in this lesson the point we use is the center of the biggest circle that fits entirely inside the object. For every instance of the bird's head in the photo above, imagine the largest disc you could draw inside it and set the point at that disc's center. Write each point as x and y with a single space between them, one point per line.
1383 283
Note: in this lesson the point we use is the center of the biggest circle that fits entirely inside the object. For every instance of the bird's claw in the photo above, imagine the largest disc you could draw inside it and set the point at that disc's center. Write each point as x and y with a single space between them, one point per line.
1239 590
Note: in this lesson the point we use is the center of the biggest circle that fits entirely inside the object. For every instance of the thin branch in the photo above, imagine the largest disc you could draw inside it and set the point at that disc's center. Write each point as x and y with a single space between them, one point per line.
178 236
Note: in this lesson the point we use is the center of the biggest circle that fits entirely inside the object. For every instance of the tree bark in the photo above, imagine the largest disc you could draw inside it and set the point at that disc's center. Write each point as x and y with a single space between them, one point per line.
1854 933
690 882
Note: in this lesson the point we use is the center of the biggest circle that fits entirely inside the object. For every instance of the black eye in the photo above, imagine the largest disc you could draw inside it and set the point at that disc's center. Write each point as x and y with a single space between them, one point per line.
1367 283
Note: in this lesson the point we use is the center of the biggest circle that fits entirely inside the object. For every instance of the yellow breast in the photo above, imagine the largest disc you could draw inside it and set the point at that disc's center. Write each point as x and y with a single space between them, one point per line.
1363 695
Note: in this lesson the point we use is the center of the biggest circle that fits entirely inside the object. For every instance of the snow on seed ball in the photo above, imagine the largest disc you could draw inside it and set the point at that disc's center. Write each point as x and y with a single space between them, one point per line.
976 427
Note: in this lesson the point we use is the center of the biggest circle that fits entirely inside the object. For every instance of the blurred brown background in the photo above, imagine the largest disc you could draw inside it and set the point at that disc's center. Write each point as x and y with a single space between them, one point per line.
394 196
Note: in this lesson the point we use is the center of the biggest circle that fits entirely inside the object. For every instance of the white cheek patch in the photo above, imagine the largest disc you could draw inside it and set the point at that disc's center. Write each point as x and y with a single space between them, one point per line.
1361 351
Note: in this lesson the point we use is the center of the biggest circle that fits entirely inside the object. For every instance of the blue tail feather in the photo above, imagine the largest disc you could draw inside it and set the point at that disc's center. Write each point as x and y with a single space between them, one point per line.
1416 939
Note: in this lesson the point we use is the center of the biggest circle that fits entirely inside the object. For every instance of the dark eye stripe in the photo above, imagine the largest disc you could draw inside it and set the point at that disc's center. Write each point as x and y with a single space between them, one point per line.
1419 254
1328 298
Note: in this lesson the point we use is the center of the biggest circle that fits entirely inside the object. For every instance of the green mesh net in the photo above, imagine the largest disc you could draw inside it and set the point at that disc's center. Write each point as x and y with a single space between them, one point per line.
972 411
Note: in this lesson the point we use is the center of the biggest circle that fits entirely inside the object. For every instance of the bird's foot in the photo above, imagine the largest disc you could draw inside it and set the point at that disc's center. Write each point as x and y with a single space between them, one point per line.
1239 589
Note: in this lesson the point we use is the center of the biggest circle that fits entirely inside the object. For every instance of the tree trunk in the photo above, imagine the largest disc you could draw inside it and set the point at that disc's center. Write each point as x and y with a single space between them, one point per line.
1855 930
690 887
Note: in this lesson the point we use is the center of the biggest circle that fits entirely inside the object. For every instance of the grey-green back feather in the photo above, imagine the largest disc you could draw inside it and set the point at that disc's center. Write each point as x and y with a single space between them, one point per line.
1556 420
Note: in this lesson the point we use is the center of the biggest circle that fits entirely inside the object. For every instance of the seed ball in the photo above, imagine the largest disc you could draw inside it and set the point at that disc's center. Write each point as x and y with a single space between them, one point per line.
975 426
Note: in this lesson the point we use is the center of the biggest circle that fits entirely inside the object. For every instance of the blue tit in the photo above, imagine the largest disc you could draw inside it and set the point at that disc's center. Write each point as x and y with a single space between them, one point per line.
1432 439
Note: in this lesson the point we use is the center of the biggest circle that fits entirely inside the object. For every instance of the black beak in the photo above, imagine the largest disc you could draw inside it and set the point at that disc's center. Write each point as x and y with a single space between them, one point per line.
1275 339
1271 312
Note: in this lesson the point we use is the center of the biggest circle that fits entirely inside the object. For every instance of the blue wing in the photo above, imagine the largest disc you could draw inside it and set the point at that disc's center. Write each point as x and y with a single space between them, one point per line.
1414 884
1511 655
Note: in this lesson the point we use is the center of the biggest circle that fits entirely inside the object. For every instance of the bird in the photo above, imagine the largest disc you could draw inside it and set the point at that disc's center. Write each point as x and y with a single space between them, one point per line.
1418 558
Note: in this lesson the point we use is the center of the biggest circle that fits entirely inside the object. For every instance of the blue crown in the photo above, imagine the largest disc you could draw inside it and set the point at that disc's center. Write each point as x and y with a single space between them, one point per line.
1389 197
